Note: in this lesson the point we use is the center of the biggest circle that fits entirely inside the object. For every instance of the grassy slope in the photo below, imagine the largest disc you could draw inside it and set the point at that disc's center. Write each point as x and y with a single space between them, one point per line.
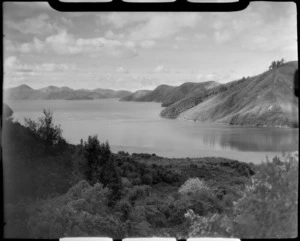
266 99
168 95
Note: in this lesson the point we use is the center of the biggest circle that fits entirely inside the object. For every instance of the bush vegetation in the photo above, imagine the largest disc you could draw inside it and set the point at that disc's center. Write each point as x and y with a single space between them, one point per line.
86 190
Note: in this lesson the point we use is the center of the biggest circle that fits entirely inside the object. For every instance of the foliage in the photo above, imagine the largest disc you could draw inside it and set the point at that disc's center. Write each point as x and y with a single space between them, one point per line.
193 185
270 203
99 166
276 64
83 211
48 133
121 195
39 174
214 225
267 207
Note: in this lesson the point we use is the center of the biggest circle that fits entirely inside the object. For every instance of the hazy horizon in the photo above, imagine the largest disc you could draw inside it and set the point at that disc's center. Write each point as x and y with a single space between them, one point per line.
134 51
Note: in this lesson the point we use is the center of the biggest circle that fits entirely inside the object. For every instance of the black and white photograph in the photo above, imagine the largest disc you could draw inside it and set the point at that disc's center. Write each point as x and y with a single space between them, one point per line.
150 124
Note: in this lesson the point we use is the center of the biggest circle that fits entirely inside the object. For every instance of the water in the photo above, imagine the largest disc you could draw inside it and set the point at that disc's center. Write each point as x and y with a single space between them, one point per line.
137 127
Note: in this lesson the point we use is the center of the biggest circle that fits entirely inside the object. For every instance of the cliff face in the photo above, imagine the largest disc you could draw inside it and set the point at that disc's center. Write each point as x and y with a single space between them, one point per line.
264 100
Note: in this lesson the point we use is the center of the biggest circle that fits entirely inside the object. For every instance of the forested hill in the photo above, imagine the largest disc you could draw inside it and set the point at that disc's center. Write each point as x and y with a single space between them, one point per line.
264 100
168 95
25 92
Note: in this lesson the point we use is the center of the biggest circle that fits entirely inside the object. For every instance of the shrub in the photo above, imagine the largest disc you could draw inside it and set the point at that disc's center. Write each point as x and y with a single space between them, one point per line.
147 179
126 182
214 225
77 190
269 204
193 185
138 192
83 211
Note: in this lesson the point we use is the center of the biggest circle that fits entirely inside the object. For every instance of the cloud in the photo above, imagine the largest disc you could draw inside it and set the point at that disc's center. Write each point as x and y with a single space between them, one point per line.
207 77
162 25
120 19
10 62
262 27
36 25
147 44
280 35
13 65
176 46
123 70
146 26
180 38
222 36
36 46
109 34
160 69
66 44
200 36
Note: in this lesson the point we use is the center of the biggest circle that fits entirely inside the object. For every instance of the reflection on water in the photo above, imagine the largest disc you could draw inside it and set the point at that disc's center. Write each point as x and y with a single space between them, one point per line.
137 127
255 139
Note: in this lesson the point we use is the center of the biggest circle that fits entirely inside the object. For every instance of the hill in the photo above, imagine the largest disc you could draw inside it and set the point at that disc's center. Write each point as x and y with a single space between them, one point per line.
24 92
136 96
168 95
263 100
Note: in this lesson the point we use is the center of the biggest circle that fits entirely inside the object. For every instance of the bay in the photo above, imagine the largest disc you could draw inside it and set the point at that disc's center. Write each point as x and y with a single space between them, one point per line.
137 127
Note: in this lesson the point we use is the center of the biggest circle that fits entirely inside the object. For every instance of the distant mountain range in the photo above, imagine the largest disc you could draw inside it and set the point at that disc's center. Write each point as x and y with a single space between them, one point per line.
264 100
24 92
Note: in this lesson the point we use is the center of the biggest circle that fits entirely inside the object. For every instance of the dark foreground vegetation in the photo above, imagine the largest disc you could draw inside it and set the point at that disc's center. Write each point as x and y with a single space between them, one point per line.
54 189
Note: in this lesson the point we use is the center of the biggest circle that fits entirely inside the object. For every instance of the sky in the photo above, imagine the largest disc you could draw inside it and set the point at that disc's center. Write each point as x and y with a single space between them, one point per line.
133 51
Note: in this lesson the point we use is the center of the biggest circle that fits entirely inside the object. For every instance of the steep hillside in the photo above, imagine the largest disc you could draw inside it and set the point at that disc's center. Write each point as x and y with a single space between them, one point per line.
24 92
158 94
168 95
188 89
264 100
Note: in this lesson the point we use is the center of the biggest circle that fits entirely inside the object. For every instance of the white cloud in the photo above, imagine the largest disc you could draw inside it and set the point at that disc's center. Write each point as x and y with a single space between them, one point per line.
120 19
66 44
180 38
36 46
176 46
109 34
280 35
147 44
200 36
160 69
207 77
123 70
36 25
13 65
162 25
130 44
262 26
10 62
222 36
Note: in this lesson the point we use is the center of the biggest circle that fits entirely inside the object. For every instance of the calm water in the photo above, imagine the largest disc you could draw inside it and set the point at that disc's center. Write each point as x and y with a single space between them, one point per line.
137 127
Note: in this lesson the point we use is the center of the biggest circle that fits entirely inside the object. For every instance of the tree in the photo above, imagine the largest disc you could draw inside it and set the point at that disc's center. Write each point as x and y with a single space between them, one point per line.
91 154
276 64
100 166
48 133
